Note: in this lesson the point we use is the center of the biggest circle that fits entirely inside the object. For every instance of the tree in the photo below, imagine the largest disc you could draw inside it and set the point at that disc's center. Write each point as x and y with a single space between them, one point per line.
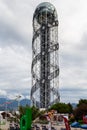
70 108
81 109
62 108
35 111
82 101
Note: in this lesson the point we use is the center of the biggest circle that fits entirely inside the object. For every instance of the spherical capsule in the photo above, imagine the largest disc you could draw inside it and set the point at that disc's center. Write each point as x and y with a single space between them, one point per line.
45 13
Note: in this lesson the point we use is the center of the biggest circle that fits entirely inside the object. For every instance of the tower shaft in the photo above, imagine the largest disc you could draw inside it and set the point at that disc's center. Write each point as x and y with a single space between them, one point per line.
45 67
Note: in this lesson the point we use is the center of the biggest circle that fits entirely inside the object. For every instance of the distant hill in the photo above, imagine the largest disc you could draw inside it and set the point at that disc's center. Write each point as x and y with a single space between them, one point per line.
74 105
12 104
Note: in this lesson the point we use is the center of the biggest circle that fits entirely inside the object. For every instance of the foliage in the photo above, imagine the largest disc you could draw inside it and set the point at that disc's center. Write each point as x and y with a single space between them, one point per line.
35 111
22 110
80 121
62 108
71 118
80 111
70 108
82 101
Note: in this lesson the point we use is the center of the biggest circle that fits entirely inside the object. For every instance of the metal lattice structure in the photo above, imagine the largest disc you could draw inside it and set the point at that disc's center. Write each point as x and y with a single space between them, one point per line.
45 63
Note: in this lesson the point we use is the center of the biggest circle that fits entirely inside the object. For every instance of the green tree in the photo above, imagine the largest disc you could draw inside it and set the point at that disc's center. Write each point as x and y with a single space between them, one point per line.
35 111
22 110
70 108
81 109
62 108
82 101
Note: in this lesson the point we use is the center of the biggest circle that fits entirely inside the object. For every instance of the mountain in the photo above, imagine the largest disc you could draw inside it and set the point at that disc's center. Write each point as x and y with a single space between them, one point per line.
25 102
12 104
74 105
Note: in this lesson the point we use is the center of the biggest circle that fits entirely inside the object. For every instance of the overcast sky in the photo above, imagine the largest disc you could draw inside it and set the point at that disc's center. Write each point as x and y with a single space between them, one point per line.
16 47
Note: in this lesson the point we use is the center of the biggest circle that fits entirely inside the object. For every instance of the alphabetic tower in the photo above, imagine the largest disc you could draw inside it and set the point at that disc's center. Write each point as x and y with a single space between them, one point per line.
45 61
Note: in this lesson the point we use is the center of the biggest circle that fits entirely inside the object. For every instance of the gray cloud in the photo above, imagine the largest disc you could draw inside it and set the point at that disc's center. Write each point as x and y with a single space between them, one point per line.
16 41
72 95
13 25
9 35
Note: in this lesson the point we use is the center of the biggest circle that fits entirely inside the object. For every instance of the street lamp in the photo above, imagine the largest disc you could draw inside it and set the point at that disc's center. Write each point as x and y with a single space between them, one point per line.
18 98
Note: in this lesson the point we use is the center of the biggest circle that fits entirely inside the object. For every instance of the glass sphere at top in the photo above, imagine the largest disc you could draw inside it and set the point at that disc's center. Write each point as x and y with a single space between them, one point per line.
45 13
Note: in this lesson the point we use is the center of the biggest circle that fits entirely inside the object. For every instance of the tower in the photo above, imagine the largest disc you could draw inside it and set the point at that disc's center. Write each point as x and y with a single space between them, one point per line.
45 65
